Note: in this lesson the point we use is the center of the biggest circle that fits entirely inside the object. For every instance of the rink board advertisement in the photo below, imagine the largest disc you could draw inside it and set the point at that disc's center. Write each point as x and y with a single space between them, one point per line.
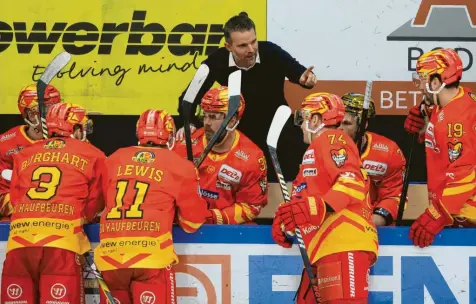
233 265
131 55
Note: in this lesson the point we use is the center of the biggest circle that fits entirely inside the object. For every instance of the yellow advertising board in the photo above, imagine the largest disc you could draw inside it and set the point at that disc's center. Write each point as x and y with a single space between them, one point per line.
127 55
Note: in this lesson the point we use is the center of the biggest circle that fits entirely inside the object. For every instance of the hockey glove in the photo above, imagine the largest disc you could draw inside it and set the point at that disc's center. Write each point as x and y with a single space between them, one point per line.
302 211
278 235
429 224
415 122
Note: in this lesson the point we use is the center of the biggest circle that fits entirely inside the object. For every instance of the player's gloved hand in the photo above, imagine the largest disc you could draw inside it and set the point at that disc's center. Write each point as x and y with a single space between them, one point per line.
302 211
429 224
415 121
278 235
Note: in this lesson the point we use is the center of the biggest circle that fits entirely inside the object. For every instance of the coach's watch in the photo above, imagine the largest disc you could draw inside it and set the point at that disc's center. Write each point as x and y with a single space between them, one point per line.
385 214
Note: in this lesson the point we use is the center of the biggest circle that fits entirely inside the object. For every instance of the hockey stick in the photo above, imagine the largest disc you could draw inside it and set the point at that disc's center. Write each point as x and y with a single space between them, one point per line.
363 120
406 183
55 66
280 117
406 179
192 91
234 91
97 274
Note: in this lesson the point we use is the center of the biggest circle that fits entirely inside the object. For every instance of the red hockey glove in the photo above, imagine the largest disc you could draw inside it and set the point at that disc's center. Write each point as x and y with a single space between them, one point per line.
415 121
278 235
302 211
429 224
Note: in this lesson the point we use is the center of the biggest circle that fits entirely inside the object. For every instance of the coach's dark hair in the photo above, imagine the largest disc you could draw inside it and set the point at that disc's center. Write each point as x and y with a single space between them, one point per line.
238 23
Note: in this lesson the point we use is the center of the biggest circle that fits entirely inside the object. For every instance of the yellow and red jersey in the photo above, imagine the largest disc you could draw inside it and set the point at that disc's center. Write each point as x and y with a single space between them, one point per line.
145 187
57 185
233 183
385 165
450 144
331 170
11 142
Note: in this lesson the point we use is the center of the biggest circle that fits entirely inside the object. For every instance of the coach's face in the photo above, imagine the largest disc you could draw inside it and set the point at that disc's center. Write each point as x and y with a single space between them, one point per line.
244 47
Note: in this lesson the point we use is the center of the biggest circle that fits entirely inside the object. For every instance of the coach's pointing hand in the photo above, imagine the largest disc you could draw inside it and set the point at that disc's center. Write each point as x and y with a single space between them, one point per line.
308 79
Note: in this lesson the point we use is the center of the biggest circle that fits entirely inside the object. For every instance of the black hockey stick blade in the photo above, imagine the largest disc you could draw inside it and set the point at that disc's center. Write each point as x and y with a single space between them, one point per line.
190 95
406 183
365 111
279 120
234 91
89 259
55 66
406 179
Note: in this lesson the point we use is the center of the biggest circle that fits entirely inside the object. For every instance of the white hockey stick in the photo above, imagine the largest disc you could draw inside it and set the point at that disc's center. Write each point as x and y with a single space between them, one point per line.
192 91
55 66
365 111
279 120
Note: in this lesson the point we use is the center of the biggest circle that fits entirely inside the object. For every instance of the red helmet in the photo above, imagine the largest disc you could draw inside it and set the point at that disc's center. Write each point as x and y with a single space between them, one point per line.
216 100
444 62
63 117
156 126
28 98
329 106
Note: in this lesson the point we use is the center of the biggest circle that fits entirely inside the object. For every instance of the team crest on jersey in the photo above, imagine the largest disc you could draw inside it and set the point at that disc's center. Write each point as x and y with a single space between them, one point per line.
454 151
241 154
339 157
145 157
210 169
55 144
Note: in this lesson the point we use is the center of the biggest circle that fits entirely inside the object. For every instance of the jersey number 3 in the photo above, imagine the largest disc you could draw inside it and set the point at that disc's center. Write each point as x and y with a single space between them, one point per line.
46 189
134 211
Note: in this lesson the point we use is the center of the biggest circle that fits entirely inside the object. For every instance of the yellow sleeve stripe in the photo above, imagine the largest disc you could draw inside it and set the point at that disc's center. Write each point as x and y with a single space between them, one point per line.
192 225
458 190
467 179
238 209
351 192
249 213
350 181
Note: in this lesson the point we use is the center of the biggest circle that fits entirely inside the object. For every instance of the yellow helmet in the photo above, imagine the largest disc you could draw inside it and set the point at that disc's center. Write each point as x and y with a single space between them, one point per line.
354 103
